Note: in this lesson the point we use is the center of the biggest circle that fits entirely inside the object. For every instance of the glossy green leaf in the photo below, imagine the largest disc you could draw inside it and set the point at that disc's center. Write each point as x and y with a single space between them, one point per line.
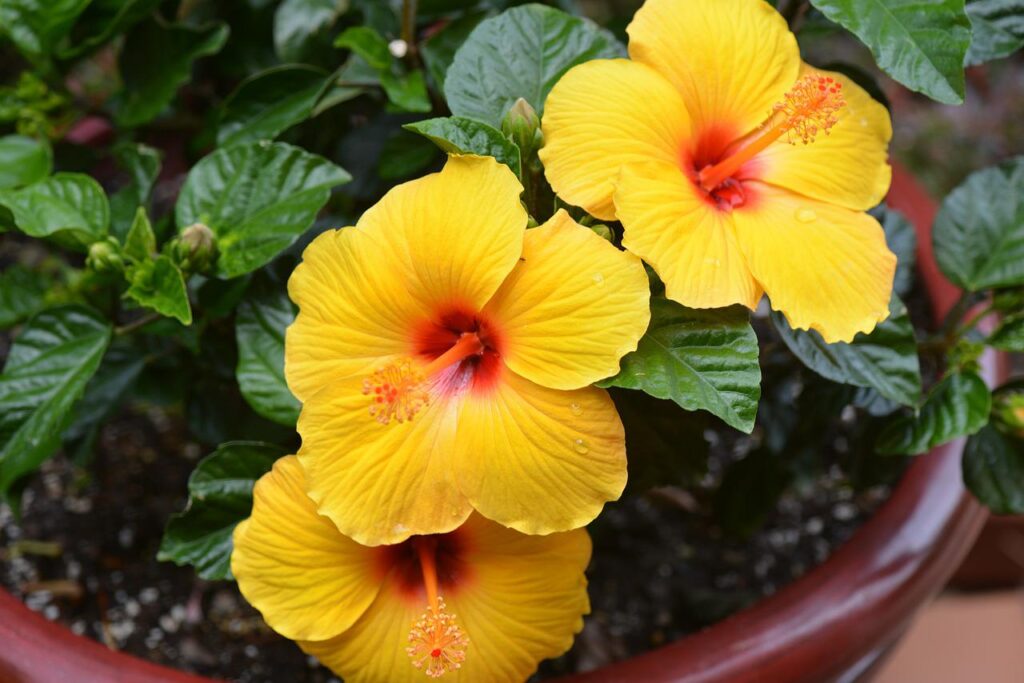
298 23
922 44
141 163
1009 336
994 470
521 53
404 156
101 21
701 359
406 91
22 292
23 161
69 208
270 102
957 406
157 60
901 238
140 243
885 360
37 26
159 285
439 50
459 135
220 496
257 198
47 369
121 366
979 232
997 28
259 329
368 44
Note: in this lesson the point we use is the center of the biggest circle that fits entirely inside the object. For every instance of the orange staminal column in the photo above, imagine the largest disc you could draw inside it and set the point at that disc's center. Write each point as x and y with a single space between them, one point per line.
436 643
811 106
399 390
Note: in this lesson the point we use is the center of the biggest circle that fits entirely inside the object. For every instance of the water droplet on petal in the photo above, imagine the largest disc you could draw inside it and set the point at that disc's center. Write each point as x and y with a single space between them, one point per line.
576 409
806 215
598 278
580 446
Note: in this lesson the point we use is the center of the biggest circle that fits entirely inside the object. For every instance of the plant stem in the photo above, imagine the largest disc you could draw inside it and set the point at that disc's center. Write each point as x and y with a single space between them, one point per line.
139 322
973 322
409 8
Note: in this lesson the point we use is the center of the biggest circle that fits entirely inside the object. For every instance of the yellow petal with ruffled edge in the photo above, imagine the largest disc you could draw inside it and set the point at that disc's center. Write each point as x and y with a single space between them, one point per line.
539 460
825 267
445 240
573 306
849 165
523 600
294 566
604 114
730 59
380 483
689 243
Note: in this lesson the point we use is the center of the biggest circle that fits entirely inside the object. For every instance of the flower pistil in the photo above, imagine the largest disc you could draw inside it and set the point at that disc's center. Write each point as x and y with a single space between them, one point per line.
436 643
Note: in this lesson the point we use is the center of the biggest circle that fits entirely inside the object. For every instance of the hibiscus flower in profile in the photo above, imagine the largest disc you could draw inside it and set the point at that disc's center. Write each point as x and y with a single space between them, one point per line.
445 354
480 603
735 168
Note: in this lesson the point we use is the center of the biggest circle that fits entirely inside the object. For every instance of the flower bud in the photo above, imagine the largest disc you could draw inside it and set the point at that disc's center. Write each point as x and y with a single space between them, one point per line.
522 125
195 249
1009 411
602 231
105 256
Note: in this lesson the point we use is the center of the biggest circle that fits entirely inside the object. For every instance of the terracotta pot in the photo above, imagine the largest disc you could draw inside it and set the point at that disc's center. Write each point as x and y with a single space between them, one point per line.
833 624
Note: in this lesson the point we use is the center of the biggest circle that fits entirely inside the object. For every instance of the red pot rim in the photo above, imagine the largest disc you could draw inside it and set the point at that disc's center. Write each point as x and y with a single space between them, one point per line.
836 618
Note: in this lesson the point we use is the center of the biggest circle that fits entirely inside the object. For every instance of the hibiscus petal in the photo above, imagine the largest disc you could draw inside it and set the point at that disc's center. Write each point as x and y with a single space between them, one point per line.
689 243
730 59
572 307
825 267
848 166
604 114
521 443
294 566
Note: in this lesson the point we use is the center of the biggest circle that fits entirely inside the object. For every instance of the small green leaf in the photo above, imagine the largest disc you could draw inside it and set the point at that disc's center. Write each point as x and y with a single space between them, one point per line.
142 164
257 198
406 91
404 156
997 28
23 161
270 102
439 50
901 238
157 60
920 44
885 360
220 496
957 406
37 26
259 329
701 359
368 44
521 53
47 369
979 232
159 286
101 21
69 208
140 243
300 24
22 292
459 135
1009 336
994 470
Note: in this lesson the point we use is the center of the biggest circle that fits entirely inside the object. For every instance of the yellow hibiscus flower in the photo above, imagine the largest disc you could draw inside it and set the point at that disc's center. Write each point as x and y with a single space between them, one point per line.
444 355
481 603
735 168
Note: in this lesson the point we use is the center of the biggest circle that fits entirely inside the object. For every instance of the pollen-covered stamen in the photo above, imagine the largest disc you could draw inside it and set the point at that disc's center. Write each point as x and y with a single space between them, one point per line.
436 643
810 107
399 390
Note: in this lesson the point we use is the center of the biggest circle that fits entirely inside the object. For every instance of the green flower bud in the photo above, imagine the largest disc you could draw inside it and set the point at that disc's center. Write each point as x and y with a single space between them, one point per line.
522 125
603 231
105 256
195 249
1009 412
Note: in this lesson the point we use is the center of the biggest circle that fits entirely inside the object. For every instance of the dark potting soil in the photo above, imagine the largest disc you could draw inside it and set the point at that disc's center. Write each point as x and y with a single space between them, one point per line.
84 554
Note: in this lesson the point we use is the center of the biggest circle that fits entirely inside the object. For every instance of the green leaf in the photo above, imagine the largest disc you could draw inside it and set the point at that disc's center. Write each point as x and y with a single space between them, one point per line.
47 370
997 28
368 44
140 243
957 406
23 161
122 364
902 240
257 198
36 26
156 61
405 155
220 496
439 50
101 21
159 285
1009 336
69 208
979 232
994 471
142 164
920 44
407 91
459 135
270 102
521 53
885 360
701 359
259 329
299 23
22 292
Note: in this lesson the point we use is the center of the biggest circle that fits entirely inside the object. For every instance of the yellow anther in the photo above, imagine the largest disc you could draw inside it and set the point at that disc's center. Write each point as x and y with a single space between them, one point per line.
397 392
436 643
